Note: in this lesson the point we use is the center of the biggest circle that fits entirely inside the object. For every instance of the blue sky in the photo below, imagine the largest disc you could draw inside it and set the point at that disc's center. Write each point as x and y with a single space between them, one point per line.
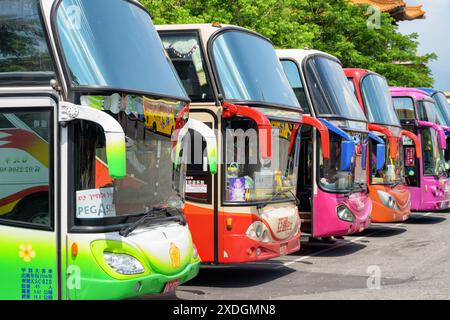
434 36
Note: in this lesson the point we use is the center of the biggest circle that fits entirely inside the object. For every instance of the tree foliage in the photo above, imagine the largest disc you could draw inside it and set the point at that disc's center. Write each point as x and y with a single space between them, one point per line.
336 27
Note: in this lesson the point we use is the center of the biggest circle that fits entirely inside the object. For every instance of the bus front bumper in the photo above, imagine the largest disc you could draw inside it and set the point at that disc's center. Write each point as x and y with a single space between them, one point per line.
99 289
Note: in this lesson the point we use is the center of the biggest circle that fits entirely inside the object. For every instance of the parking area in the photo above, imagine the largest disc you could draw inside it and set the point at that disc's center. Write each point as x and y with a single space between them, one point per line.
409 260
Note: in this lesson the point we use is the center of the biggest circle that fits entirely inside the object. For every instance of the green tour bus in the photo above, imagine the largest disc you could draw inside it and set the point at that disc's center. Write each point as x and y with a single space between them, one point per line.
90 195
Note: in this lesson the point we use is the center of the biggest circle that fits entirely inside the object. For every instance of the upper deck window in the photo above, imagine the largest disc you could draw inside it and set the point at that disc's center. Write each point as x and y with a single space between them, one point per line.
330 91
404 107
249 71
378 101
185 51
24 54
114 45
293 75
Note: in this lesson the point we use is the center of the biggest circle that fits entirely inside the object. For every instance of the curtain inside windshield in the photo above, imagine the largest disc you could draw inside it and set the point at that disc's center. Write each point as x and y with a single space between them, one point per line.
378 101
114 44
330 90
249 70
185 51
24 55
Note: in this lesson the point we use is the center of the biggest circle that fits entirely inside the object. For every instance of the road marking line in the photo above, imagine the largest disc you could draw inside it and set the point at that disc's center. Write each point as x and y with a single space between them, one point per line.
286 264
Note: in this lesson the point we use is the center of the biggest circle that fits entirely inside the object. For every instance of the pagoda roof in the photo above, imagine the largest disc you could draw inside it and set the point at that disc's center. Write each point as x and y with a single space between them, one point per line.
397 8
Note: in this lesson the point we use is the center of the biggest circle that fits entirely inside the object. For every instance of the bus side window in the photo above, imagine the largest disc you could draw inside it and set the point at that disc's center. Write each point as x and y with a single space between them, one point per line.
25 167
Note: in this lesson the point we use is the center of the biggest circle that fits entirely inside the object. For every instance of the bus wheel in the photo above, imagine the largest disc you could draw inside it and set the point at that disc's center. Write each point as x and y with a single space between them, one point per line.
34 210
41 218
328 240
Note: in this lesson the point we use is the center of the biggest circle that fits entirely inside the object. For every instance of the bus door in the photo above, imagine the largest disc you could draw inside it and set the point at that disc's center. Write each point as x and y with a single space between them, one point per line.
28 256
201 192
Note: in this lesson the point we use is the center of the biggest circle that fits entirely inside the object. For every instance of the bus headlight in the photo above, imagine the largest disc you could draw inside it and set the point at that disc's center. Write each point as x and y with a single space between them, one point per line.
345 214
123 263
386 199
258 231
195 253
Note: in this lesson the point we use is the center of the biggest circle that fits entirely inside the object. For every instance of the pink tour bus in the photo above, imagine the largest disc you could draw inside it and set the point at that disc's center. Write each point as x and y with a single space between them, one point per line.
426 178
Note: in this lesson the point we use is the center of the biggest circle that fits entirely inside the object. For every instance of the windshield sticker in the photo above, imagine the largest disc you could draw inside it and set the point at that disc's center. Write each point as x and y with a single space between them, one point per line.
95 203
407 141
196 186
410 157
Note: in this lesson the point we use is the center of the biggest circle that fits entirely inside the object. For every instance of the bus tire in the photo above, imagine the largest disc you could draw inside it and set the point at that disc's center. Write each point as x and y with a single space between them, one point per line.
34 209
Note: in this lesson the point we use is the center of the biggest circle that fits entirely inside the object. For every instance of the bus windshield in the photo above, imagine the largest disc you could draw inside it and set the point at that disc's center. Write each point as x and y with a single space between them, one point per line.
249 70
149 180
378 101
433 156
393 170
24 55
330 91
443 106
332 178
248 179
96 35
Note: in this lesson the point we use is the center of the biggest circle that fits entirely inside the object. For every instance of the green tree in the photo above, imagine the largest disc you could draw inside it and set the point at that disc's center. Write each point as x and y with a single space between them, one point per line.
336 27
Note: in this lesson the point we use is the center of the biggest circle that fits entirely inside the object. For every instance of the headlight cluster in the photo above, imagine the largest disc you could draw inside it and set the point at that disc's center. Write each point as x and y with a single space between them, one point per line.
387 200
345 214
123 263
195 254
259 232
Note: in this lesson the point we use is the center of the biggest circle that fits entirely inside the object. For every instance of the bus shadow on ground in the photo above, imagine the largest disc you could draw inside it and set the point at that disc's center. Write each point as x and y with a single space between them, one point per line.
418 218
340 248
379 230
238 276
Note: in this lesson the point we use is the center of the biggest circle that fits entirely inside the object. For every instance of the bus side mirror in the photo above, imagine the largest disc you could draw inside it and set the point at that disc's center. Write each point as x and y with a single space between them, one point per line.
347 145
380 152
347 154
442 139
207 133
114 135
263 123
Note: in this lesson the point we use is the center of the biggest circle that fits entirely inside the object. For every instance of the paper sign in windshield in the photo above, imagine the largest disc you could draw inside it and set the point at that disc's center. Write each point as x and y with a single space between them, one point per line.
95 203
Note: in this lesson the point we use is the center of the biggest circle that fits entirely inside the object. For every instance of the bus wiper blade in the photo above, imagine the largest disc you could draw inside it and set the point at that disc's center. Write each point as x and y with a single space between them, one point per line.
154 215
360 185
276 194
395 184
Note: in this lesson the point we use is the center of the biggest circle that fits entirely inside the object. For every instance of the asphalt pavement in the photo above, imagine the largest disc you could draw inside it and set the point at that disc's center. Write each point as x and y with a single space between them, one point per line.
409 260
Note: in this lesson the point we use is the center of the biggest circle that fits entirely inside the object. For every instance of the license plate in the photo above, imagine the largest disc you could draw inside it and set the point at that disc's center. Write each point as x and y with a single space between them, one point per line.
283 249
405 217
361 228
171 286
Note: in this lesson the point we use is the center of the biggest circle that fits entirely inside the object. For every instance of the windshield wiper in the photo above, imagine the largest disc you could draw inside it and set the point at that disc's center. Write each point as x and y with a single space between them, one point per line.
359 185
154 215
396 183
276 194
